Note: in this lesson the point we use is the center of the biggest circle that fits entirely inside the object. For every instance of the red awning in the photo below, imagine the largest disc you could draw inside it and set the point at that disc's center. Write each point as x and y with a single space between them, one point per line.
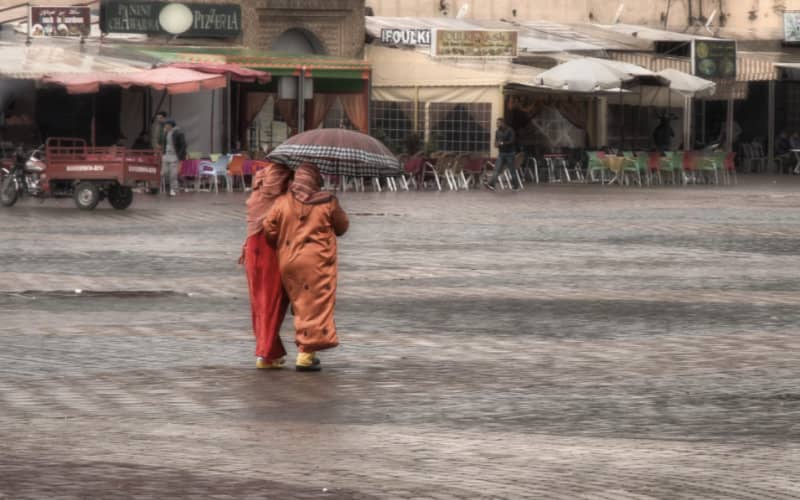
173 80
236 72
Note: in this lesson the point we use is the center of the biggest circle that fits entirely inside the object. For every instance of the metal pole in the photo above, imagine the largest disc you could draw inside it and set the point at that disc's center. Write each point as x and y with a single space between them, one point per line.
687 124
622 120
227 96
771 128
301 101
213 104
30 22
416 109
368 98
639 116
703 122
729 135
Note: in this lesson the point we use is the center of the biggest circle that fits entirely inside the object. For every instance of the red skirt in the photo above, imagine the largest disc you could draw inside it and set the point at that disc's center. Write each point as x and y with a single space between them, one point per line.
268 301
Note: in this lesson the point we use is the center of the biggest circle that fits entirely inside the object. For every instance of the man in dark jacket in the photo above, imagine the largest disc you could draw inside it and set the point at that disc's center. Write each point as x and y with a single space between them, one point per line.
174 154
663 134
505 140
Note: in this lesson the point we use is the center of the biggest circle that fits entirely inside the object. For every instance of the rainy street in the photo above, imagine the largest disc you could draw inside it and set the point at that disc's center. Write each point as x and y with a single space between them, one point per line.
563 342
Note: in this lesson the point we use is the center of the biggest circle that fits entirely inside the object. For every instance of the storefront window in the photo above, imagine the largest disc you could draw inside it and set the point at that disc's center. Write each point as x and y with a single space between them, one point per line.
393 123
461 127
337 118
630 127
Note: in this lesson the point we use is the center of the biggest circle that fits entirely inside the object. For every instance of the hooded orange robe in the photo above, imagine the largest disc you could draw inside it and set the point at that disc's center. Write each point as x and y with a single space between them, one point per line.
304 235
268 302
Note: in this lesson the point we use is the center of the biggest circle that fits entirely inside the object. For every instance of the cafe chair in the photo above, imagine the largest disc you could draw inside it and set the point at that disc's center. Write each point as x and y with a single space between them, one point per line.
235 169
430 171
596 164
206 170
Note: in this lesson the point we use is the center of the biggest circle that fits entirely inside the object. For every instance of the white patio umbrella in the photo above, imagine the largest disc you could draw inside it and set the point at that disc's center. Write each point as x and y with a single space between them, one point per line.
584 75
688 85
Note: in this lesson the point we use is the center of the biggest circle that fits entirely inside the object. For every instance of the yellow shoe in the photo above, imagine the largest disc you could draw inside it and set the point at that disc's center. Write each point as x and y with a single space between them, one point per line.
307 362
263 364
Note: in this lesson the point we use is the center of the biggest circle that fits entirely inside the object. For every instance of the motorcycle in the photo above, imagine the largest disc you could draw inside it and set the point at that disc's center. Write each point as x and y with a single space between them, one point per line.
24 177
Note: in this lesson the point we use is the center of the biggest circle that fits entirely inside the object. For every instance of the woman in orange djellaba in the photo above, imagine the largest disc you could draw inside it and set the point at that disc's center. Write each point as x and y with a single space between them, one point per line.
268 301
303 226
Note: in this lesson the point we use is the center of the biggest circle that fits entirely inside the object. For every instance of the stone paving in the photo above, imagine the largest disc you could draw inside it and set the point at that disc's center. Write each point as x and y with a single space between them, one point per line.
562 342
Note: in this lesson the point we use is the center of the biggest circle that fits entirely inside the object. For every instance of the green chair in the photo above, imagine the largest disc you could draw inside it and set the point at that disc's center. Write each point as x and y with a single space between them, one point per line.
595 165
631 167
643 165
711 166
671 165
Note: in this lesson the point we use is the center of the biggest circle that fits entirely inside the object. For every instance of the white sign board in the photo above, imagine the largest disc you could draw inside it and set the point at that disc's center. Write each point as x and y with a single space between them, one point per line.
791 27
411 37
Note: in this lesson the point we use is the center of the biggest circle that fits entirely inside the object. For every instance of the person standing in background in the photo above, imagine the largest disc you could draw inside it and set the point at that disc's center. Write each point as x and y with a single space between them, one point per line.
174 154
157 131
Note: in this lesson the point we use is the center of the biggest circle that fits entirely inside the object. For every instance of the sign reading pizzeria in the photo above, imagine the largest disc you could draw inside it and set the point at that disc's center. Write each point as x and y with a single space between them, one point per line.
60 21
411 37
186 19
714 59
474 43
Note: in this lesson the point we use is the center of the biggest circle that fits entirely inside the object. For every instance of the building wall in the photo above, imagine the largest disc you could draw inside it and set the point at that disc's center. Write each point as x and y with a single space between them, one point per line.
765 16
338 24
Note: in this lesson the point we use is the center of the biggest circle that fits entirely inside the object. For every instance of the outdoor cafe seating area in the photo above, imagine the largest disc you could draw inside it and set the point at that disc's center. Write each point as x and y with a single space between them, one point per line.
453 172
447 171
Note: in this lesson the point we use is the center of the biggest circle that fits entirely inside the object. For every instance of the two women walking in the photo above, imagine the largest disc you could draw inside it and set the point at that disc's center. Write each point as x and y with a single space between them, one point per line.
290 256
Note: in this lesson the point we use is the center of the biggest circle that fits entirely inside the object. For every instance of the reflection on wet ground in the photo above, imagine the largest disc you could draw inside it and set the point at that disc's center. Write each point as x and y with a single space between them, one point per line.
564 342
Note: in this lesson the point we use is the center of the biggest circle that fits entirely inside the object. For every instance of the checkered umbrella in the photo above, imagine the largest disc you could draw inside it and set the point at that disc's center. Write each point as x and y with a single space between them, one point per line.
338 151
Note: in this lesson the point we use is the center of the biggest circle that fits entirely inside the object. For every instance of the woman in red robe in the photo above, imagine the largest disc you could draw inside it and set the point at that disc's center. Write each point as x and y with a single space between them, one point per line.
303 225
268 300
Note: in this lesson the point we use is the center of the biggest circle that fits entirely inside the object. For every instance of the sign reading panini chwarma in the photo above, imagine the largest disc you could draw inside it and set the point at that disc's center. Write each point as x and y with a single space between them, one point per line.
474 43
714 59
411 37
60 21
208 20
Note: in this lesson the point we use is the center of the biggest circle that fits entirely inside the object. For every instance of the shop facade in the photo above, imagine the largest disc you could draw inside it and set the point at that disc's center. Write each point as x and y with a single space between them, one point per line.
313 50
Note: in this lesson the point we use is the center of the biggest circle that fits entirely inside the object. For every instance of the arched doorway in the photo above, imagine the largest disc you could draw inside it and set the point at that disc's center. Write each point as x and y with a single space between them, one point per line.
298 41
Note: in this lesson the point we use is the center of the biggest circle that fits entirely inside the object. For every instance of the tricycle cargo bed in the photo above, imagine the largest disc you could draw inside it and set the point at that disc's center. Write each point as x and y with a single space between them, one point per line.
72 159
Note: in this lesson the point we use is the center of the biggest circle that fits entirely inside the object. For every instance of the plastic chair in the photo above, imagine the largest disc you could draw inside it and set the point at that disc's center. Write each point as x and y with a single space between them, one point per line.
631 166
429 170
236 169
710 165
595 164
689 167
643 166
729 168
473 169
672 164
206 170
413 170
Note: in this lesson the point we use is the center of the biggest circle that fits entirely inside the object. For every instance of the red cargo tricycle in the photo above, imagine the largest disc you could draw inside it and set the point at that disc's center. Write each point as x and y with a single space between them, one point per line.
69 168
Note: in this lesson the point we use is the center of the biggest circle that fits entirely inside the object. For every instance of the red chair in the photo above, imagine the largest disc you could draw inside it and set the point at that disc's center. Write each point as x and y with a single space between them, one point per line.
689 166
654 162
729 168
413 168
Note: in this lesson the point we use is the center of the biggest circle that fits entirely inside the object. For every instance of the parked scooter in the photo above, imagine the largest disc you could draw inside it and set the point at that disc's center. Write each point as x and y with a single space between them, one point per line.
24 178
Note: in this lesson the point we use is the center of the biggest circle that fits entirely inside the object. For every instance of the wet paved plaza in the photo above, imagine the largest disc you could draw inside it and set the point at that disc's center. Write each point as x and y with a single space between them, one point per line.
563 342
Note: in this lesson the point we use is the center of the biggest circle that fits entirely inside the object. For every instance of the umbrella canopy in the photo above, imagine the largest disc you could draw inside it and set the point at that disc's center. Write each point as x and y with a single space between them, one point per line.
173 80
584 75
688 85
338 151
591 74
236 72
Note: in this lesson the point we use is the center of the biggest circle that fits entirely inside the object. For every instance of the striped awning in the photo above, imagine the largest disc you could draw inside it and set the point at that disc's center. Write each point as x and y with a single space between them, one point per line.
749 66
